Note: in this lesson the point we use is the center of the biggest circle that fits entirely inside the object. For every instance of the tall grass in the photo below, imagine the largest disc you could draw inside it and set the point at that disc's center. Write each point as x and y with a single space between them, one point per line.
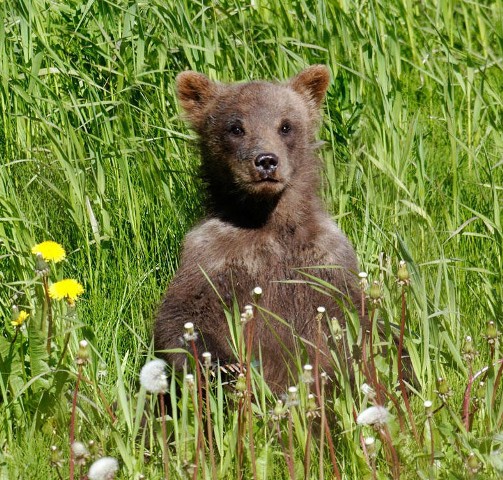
94 155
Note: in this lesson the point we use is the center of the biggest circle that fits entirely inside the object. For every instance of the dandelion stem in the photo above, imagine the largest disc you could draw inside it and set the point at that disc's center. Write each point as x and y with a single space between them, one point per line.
72 422
466 399
496 383
209 426
240 439
395 463
288 459
290 443
370 458
49 313
373 371
307 450
400 366
320 394
432 440
200 443
249 343
321 398
165 452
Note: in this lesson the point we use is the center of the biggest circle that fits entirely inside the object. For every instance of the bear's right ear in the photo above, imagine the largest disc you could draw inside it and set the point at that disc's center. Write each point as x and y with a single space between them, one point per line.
194 90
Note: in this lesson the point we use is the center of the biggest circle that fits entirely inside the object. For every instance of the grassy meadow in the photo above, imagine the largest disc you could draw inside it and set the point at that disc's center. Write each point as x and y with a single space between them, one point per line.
94 155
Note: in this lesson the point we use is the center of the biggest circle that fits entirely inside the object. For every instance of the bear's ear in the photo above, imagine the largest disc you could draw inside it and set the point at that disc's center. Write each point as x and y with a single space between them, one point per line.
312 83
194 90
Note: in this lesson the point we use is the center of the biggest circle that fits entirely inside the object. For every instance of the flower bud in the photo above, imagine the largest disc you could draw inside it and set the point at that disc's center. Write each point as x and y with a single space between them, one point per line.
83 353
279 410
311 403
443 389
363 280
293 398
189 379
257 293
375 293
55 458
207 359
190 334
468 349
240 384
307 374
472 463
403 273
41 266
370 445
491 332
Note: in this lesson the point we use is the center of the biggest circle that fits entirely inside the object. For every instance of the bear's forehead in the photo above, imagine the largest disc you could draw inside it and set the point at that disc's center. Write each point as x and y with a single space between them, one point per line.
254 98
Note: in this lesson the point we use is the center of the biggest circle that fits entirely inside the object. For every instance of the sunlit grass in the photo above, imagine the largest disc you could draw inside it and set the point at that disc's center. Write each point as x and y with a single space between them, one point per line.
93 155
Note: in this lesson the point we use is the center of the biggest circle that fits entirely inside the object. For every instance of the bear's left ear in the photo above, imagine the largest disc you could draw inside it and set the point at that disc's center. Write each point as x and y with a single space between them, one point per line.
313 83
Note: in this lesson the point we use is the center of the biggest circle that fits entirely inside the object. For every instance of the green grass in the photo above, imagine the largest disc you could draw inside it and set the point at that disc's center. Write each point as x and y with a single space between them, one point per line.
93 155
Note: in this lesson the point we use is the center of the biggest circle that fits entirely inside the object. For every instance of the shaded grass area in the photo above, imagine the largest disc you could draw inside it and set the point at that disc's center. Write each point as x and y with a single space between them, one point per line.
94 155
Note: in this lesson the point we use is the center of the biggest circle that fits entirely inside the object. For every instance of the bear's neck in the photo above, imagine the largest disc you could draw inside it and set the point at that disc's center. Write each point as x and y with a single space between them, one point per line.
293 207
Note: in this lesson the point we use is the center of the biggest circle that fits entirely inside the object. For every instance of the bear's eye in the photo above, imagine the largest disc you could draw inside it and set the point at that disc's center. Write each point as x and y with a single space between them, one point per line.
285 128
237 130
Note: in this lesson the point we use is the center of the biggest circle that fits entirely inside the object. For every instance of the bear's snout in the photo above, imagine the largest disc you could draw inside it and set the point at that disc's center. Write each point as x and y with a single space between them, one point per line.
266 164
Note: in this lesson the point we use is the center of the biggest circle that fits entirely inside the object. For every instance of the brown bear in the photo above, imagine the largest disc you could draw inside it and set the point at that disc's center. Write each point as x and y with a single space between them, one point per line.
265 221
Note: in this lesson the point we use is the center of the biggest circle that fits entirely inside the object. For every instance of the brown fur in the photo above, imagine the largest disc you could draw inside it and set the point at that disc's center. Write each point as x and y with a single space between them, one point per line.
261 226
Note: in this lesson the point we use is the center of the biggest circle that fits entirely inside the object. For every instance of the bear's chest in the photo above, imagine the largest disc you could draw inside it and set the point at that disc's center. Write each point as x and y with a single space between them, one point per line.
221 248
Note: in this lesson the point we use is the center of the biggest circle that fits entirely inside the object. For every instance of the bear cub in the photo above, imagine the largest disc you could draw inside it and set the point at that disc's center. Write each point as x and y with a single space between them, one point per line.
265 222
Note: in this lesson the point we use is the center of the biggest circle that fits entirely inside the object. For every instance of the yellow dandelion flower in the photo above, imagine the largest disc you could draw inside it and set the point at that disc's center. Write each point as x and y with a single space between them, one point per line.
68 289
50 251
20 318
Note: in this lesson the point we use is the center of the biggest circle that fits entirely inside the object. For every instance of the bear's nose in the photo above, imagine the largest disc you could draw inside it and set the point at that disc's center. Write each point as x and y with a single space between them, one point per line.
266 163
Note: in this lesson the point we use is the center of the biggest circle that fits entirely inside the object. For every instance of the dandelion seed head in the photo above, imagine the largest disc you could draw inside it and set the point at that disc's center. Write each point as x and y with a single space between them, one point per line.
368 391
375 415
79 449
369 441
247 314
80 452
103 469
153 376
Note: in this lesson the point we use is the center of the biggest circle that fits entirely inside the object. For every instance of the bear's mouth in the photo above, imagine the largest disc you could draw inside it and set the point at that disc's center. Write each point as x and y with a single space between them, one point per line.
267 180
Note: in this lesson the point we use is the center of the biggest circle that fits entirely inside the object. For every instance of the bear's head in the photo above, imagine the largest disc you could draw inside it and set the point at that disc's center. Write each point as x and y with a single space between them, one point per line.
256 138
